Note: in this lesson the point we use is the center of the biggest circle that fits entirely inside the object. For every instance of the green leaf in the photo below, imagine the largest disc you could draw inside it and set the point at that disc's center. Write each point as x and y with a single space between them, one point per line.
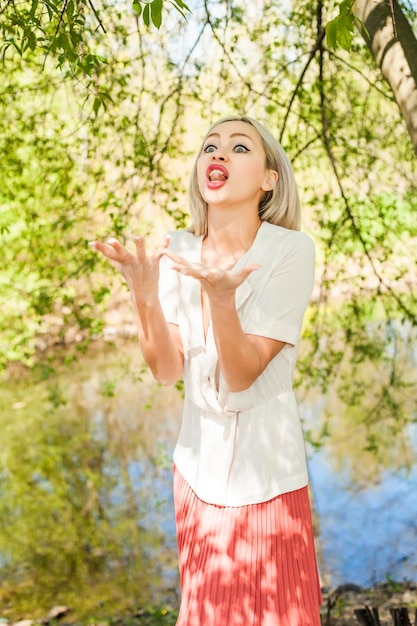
33 9
345 7
344 34
52 8
62 42
147 15
31 39
331 34
137 7
70 9
18 49
181 5
156 13
339 31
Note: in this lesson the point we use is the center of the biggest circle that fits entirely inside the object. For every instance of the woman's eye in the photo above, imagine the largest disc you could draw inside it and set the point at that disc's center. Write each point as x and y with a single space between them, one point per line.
241 148
209 148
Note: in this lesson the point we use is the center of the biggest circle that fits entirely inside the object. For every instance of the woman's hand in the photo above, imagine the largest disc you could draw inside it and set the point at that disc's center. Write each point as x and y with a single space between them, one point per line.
141 271
218 283
242 357
160 342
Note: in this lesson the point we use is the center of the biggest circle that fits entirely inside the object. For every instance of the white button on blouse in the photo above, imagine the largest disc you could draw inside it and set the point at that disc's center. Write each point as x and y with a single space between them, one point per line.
246 447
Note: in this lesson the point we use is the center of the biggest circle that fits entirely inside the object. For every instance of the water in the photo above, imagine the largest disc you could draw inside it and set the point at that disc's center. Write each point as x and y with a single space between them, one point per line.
367 535
367 525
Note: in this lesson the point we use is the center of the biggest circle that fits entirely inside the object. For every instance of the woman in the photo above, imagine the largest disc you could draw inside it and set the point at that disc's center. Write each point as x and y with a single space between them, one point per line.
221 306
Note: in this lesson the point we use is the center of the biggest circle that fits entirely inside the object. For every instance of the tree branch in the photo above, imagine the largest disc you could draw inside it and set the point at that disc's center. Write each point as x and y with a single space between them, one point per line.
349 213
94 10
311 56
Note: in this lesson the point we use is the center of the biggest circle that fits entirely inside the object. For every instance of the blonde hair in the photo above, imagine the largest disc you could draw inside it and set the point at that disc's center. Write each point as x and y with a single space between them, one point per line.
281 206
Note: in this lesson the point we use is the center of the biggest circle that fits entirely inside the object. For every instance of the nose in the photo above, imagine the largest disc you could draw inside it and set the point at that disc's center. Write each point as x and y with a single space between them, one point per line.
218 155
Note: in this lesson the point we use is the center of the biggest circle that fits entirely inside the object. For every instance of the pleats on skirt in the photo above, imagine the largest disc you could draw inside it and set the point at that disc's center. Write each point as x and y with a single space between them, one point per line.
251 565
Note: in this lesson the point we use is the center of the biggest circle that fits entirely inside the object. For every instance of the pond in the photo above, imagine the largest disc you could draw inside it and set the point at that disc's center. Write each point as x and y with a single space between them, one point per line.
86 493
368 534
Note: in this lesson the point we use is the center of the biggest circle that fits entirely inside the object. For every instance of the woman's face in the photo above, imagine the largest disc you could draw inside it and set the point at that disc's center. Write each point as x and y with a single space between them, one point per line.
231 168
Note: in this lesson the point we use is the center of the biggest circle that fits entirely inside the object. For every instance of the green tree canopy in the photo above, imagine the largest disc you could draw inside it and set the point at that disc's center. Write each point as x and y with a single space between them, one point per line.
108 152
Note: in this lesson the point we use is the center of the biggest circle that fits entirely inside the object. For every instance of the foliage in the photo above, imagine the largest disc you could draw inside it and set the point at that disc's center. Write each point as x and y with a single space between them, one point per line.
66 30
152 11
72 511
92 148
88 159
92 158
152 616
42 202
65 185
340 30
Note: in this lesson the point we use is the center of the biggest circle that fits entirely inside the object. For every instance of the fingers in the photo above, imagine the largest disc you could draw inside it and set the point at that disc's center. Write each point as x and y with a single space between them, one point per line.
140 248
217 274
179 260
195 270
225 279
248 269
116 252
162 250
212 275
179 264
112 248
166 241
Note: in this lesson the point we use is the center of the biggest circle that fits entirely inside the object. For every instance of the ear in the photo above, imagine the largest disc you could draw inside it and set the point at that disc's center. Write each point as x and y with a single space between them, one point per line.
271 179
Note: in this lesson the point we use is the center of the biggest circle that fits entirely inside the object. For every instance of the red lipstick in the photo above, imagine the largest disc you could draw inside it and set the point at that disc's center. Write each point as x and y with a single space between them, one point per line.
217 175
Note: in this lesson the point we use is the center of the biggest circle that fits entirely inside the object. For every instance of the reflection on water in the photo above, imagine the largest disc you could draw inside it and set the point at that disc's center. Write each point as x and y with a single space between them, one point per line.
366 534
85 489
105 422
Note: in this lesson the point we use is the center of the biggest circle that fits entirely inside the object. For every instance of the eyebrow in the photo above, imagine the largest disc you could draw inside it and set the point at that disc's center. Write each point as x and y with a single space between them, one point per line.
233 135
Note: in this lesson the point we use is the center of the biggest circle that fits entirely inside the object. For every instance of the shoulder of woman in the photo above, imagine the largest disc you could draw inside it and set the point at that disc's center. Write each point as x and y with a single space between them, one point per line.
287 239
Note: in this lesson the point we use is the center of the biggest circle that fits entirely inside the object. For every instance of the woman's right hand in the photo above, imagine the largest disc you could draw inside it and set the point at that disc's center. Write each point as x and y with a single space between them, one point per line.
141 271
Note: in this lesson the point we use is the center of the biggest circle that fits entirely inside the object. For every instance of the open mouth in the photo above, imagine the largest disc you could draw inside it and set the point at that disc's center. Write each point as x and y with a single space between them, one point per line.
216 176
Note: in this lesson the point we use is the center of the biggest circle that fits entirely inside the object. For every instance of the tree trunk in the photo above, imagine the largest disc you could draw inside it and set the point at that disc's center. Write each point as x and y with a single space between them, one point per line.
393 45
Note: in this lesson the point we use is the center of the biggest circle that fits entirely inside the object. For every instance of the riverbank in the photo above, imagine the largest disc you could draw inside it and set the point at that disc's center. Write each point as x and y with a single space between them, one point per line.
338 609
339 604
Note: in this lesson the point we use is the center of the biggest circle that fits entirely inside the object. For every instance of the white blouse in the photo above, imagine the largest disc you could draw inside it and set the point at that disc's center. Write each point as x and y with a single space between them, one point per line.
245 447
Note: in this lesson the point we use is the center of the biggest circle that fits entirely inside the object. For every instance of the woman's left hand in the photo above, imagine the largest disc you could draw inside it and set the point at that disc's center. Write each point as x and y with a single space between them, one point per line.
218 283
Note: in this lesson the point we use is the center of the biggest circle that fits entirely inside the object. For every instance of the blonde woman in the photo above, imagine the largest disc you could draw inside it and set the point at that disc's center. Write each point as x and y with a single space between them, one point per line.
221 306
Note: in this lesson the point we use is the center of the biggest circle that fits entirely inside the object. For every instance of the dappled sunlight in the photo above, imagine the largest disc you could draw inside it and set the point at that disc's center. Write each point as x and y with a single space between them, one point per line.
232 572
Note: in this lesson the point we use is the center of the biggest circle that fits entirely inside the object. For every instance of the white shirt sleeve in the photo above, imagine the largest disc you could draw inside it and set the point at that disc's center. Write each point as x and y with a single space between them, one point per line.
279 309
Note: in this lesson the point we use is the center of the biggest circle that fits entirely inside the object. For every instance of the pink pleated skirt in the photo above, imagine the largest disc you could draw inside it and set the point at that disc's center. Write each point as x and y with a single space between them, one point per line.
251 565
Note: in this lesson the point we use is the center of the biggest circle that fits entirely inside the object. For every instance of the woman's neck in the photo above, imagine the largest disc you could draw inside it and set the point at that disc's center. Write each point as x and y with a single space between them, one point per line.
226 242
